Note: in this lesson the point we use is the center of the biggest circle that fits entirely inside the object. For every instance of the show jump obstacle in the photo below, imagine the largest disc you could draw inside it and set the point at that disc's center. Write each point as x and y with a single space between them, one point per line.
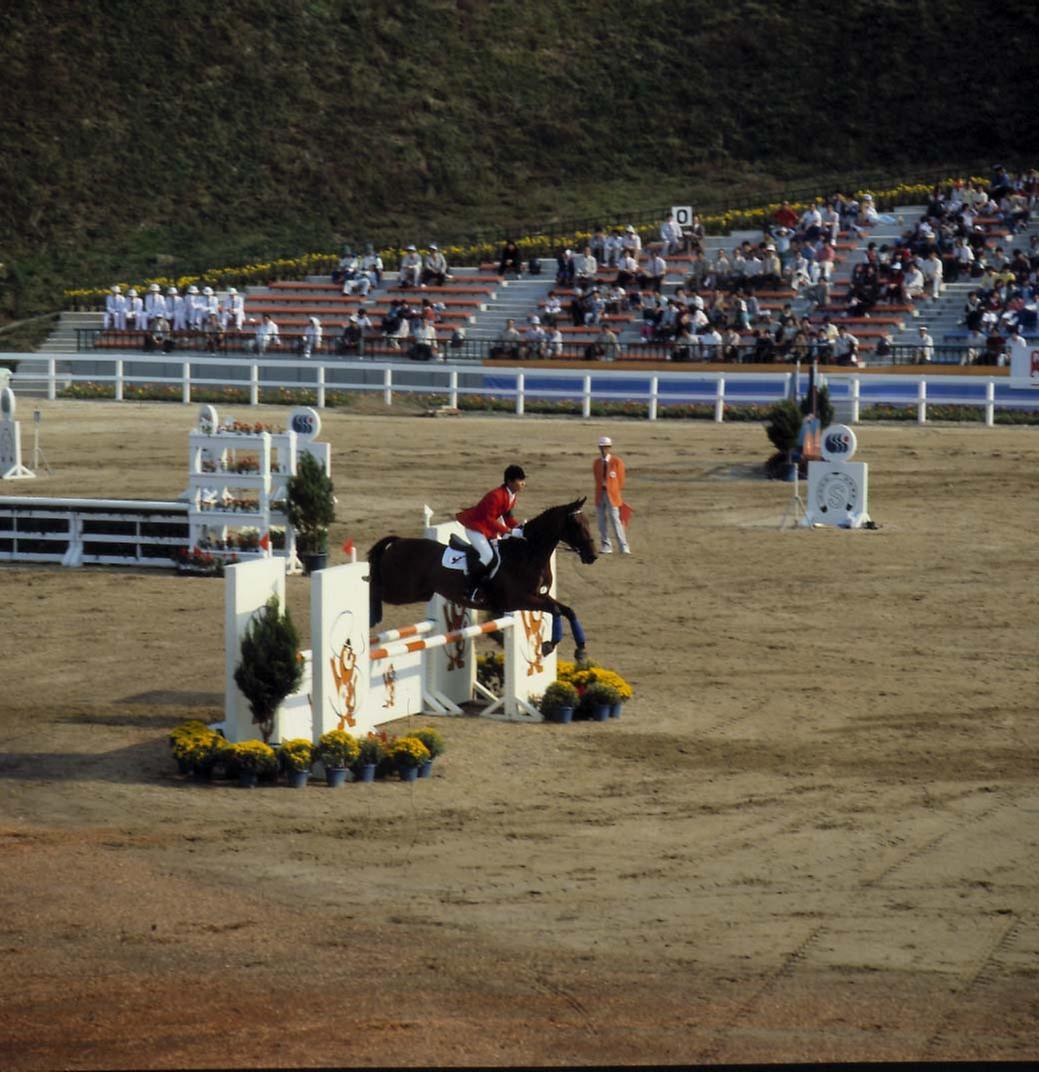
355 681
837 486
11 467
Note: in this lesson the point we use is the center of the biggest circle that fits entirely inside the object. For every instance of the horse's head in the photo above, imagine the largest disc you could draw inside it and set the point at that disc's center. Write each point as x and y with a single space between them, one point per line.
576 534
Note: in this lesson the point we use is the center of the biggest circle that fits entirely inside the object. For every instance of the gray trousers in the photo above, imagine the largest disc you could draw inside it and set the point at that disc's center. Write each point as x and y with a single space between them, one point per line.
609 513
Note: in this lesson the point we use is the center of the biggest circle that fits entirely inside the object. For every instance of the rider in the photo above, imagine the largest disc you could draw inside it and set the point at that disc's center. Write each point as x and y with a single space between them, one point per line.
487 521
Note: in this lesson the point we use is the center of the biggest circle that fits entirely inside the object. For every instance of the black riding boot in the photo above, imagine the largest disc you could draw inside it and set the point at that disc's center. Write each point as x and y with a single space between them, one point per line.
476 573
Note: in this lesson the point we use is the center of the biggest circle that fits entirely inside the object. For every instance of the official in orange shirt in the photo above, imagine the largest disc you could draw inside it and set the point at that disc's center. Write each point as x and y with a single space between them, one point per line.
609 496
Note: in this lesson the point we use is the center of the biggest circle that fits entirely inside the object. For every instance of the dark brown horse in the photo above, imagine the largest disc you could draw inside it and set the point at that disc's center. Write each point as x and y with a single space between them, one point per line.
410 571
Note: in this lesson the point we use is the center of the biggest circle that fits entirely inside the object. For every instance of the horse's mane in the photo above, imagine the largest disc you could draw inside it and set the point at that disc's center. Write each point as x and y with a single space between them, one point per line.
545 530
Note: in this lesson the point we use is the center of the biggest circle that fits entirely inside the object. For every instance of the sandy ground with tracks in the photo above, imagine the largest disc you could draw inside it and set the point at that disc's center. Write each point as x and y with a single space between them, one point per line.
812 835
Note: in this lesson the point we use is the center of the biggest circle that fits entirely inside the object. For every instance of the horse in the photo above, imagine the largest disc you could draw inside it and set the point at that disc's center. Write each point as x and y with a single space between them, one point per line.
405 570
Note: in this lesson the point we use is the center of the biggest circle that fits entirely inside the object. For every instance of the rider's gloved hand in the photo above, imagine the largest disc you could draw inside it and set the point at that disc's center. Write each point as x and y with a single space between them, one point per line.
517 532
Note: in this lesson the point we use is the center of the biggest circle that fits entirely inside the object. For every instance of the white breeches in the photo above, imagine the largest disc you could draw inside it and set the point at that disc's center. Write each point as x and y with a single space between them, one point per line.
482 545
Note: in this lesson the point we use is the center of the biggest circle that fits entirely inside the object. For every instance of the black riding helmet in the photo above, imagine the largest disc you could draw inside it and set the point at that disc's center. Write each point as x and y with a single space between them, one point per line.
514 472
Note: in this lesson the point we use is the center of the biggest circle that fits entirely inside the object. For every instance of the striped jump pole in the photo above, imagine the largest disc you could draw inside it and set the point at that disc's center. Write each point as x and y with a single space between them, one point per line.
418 629
404 647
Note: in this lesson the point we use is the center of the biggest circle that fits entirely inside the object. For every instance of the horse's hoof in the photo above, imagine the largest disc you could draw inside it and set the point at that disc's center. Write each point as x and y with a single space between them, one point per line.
580 654
547 647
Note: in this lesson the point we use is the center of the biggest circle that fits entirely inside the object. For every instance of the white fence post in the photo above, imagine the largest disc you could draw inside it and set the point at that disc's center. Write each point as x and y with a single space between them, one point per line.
119 380
586 400
521 384
52 376
990 403
654 396
921 402
321 387
855 399
185 382
387 387
452 389
254 385
719 400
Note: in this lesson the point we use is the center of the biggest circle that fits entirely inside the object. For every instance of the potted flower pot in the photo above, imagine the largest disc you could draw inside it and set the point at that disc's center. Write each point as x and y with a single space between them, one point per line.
313 561
366 772
248 779
615 710
297 779
408 773
335 776
562 715
426 769
601 712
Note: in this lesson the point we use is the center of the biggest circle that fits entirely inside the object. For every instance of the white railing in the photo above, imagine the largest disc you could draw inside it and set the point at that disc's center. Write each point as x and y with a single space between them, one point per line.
656 390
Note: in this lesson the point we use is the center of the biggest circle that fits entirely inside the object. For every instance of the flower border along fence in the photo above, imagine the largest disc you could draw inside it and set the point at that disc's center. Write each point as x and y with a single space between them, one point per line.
646 394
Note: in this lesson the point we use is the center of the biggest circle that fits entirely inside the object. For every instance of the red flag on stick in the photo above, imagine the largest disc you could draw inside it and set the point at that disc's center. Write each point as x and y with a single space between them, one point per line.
348 547
265 541
626 512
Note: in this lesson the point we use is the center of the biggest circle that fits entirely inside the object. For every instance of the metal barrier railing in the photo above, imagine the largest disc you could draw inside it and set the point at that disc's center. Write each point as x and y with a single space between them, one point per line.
477 351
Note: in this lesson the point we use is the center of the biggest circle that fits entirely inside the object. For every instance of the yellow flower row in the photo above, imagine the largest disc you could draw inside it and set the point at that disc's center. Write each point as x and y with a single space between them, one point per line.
584 674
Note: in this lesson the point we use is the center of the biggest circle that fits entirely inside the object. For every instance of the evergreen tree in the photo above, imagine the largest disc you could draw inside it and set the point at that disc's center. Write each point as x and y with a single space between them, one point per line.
270 669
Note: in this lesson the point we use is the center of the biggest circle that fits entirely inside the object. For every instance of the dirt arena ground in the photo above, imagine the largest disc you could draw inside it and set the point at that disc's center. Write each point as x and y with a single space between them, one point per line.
811 837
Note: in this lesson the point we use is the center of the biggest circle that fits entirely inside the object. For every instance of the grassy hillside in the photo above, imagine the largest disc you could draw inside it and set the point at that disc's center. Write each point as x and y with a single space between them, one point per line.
220 131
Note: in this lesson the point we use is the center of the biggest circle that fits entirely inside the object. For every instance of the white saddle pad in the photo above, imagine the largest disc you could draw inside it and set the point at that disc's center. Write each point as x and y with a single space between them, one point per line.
453 559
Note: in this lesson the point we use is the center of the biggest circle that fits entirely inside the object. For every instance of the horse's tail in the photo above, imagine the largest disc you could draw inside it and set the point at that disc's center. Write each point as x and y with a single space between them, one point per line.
375 554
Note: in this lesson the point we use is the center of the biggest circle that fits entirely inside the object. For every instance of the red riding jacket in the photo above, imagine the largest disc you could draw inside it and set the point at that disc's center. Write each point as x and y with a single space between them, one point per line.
492 515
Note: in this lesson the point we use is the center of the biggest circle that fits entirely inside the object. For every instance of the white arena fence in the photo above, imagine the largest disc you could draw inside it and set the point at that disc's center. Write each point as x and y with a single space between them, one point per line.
188 377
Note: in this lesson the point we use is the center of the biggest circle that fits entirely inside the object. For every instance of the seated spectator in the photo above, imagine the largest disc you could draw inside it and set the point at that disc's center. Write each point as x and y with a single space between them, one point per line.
434 267
698 269
627 271
694 235
595 307
311 337
711 344
349 341
266 334
424 341
598 243
846 347
348 268
608 344
932 271
652 277
508 345
553 310
535 339
371 264
785 217
731 340
457 340
631 243
613 248
510 260
554 347
410 268
115 310
686 346
764 349
811 222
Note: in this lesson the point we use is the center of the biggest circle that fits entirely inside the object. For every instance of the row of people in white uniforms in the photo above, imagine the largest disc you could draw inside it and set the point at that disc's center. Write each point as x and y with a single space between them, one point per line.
185 312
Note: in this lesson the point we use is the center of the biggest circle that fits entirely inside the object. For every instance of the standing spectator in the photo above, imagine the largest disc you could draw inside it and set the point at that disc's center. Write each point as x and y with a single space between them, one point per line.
510 259
610 477
434 268
566 268
846 347
266 334
933 271
534 342
607 340
587 268
410 268
195 307
312 336
598 243
924 347
671 236
785 217
210 304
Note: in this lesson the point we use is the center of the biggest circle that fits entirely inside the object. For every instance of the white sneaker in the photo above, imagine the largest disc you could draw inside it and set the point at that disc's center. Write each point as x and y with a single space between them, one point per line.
606 551
625 550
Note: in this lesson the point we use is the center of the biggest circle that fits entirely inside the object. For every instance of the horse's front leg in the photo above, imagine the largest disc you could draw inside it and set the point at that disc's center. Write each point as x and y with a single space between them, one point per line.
558 611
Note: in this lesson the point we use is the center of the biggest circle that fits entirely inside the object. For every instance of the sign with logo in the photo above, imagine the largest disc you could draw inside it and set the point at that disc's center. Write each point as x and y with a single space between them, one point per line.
683 214
1024 363
837 494
305 422
838 443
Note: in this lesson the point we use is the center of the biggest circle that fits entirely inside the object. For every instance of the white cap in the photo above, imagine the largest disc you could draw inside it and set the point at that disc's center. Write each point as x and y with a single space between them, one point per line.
116 289
171 290
192 289
535 319
605 441
154 288
231 290
132 292
207 290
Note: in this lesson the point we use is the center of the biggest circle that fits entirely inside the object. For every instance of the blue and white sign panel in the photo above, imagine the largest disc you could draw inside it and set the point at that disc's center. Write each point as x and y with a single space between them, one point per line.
838 443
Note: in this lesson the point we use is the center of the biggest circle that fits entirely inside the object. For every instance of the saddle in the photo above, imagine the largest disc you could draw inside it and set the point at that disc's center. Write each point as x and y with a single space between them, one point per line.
457 543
